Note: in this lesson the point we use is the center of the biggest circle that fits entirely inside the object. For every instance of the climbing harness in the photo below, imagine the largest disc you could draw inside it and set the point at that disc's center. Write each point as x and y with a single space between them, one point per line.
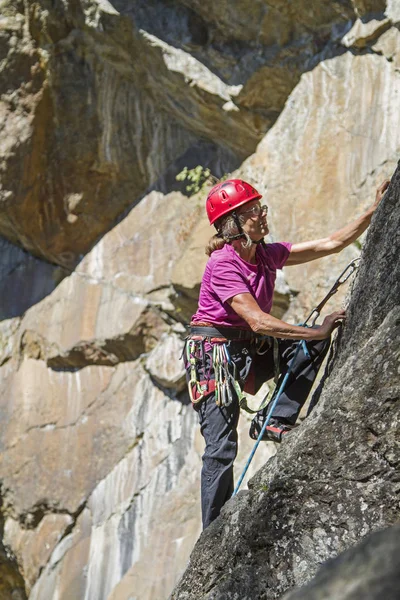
225 381
226 377
343 277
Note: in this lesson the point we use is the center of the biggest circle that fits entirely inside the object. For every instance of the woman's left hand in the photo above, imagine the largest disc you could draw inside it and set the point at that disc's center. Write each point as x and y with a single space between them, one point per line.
380 192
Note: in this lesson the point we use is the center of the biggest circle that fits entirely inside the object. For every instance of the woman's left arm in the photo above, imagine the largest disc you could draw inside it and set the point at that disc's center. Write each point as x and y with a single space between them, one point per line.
307 251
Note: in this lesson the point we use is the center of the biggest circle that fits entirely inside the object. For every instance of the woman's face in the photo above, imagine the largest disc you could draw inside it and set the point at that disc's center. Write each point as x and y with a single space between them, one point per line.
254 217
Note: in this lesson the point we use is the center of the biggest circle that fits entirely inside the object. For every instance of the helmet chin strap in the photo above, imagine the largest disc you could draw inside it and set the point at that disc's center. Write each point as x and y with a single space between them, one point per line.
239 227
237 223
240 230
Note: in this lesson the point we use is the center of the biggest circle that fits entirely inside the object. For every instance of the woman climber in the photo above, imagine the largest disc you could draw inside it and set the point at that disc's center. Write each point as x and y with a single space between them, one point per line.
235 344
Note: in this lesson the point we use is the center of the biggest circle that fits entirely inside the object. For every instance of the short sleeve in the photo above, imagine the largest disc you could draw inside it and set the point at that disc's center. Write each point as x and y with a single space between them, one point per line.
278 253
227 281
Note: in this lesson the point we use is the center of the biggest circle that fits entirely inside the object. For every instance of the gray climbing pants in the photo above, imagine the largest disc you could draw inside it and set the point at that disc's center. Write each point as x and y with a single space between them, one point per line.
219 423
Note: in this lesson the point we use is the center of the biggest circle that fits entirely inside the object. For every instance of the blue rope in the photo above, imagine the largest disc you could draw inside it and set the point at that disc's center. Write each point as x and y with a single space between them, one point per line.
305 349
260 436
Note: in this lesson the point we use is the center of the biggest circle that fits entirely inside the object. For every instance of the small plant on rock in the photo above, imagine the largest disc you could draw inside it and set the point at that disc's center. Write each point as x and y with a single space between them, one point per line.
196 178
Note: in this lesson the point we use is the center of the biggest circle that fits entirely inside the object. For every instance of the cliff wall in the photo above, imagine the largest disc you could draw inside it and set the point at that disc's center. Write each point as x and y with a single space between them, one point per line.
101 105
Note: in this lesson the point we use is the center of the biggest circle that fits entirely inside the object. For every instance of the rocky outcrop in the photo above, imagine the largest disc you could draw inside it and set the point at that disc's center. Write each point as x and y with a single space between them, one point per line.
336 478
102 103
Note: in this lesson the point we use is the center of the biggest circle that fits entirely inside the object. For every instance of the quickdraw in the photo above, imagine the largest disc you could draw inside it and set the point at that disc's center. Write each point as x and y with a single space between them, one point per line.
225 381
343 277
226 378
197 388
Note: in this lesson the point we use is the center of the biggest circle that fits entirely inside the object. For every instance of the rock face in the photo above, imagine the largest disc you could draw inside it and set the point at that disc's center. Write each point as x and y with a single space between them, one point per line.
369 571
12 584
93 401
101 105
336 478
101 101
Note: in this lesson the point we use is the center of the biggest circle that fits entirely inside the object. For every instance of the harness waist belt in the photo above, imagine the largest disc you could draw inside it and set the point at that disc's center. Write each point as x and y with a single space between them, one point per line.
230 333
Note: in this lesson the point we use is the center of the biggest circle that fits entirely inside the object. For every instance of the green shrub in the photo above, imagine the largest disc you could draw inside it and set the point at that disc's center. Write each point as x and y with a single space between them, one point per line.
196 178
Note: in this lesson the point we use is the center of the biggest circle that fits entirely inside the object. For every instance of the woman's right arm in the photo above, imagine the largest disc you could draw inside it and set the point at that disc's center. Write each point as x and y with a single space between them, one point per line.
264 323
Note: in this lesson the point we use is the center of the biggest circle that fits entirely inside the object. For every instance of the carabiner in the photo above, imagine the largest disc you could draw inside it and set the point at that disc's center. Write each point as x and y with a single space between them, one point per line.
193 383
343 277
351 267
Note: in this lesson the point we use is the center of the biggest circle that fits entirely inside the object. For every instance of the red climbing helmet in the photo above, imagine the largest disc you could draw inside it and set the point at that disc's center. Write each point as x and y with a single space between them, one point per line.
228 195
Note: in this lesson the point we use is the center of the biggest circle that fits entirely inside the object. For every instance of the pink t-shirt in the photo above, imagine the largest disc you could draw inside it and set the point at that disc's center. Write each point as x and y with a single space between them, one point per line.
227 275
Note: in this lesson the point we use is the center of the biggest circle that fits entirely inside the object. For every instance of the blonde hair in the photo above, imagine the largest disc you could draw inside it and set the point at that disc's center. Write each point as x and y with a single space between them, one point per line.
227 231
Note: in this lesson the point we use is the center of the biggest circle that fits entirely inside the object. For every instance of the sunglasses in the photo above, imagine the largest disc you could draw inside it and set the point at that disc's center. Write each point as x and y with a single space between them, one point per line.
256 210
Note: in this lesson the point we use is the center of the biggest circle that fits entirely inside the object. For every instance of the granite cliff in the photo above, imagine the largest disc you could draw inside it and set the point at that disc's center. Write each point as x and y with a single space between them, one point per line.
101 104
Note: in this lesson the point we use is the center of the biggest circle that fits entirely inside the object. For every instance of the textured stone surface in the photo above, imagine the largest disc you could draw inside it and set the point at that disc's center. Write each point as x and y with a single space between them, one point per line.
369 571
393 10
87 126
28 544
165 365
112 307
24 280
12 584
81 138
101 104
336 140
362 33
127 500
389 44
336 478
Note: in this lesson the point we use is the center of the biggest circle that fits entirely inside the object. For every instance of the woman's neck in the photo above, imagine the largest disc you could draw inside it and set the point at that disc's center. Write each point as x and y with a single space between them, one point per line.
248 254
